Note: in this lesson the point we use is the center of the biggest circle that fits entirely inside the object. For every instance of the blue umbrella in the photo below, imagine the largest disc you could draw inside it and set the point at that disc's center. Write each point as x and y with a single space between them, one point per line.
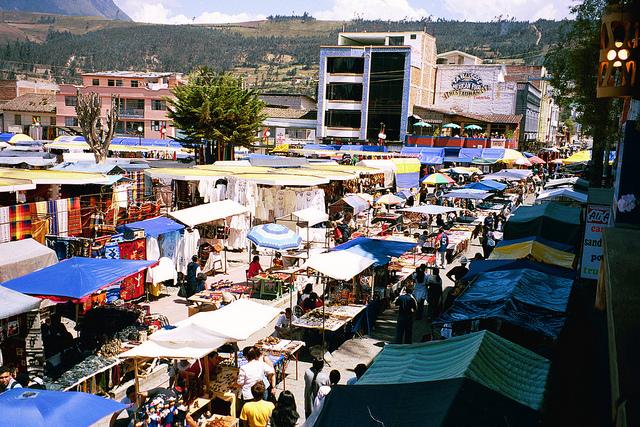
26 407
274 236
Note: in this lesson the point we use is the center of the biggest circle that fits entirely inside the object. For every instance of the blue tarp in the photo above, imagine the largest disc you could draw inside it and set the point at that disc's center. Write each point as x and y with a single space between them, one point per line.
480 266
76 277
526 298
427 155
6 136
492 153
376 148
154 226
487 185
319 147
133 141
377 249
451 154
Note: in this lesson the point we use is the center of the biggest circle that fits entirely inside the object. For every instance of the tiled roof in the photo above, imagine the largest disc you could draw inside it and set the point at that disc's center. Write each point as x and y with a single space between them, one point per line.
284 113
488 118
32 102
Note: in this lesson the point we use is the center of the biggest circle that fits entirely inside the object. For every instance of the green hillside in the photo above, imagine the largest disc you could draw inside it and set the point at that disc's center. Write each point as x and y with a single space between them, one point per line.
276 54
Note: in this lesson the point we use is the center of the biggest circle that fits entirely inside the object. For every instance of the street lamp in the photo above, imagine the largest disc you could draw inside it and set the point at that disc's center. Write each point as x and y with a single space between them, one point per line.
140 129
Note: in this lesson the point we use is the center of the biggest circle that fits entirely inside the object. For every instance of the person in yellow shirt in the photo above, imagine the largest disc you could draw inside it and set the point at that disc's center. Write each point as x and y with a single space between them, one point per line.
257 412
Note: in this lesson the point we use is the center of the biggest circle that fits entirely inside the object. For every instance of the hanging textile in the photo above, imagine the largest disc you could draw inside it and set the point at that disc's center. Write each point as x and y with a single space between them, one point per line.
153 248
132 287
39 221
67 247
52 212
112 250
133 249
5 229
75 218
20 221
168 243
187 247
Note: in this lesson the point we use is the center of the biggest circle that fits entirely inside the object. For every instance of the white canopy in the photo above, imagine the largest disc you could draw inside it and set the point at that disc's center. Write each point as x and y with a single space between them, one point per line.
311 216
165 270
202 333
208 212
23 257
239 163
563 193
339 265
14 303
429 209
386 166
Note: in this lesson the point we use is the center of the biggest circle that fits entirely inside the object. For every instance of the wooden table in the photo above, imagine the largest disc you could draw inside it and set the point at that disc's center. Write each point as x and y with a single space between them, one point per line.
225 385
198 404
336 317
289 349
213 298
229 421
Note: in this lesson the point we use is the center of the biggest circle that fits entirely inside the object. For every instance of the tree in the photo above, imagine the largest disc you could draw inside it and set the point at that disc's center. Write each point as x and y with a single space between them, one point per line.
216 110
573 64
98 137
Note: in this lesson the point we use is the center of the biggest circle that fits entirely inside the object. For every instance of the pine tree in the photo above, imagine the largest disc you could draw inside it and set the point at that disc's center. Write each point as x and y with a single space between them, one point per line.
216 110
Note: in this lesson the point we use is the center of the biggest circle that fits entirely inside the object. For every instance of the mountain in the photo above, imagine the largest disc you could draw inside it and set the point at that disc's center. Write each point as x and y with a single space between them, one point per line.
274 54
104 8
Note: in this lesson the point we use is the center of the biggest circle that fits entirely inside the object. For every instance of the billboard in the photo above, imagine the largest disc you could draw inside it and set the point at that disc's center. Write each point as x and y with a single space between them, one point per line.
478 89
598 218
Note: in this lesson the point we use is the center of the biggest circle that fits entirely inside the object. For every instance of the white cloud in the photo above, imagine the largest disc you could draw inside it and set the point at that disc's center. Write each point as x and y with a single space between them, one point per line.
161 12
528 10
344 10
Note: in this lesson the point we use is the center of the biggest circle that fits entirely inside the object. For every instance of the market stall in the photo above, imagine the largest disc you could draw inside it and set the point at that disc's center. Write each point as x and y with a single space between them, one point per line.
23 257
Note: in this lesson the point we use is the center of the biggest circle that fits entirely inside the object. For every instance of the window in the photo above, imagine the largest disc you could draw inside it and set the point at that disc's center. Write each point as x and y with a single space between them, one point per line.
343 119
344 92
345 65
119 83
17 119
157 125
396 41
413 36
95 82
158 105
71 121
70 101
134 83
52 120
111 82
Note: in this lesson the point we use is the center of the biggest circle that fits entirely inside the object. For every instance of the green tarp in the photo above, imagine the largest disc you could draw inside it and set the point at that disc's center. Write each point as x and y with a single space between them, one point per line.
483 357
551 221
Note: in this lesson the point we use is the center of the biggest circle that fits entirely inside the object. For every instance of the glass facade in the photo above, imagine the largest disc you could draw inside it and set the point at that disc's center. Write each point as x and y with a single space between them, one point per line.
386 84
345 65
344 91
342 119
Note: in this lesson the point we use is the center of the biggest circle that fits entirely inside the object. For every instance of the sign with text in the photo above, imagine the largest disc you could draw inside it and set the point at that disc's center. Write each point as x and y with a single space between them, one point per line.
466 84
598 218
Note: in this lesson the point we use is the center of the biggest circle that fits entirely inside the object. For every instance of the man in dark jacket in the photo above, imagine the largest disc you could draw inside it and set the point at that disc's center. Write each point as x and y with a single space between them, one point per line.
407 306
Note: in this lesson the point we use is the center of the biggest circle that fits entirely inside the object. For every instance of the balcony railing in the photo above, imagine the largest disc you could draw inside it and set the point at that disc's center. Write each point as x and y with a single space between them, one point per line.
132 113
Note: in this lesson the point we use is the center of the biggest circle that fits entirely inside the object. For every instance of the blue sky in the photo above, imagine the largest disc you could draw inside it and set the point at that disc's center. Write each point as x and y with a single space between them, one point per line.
215 11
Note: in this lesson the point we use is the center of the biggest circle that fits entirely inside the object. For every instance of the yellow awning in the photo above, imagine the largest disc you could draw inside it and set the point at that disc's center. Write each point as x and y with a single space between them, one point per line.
579 157
538 251
14 184
407 165
55 177
282 148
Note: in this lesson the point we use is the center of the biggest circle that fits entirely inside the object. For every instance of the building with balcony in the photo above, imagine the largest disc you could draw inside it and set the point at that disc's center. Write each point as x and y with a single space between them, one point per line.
373 80
141 101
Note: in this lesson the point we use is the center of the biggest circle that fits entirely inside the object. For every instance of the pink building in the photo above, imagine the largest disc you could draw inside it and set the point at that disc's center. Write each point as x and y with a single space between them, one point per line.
142 101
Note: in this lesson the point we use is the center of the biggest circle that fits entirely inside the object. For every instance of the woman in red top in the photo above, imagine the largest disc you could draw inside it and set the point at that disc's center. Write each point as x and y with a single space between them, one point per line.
254 267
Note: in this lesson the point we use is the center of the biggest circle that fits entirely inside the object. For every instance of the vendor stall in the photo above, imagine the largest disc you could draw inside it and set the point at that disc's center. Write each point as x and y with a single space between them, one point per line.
23 257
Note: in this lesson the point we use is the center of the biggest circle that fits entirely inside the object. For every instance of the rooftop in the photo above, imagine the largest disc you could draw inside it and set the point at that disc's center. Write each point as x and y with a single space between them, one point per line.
130 74
33 103
285 113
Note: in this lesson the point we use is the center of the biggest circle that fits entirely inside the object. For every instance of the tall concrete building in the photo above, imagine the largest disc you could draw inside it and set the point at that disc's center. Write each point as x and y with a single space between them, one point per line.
373 80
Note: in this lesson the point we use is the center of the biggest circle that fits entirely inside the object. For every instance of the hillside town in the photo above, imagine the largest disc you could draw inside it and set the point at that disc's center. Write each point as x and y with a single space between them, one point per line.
433 239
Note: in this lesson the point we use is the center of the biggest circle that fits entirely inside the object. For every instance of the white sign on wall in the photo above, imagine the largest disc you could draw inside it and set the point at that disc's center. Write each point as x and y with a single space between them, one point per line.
598 218
479 89
280 136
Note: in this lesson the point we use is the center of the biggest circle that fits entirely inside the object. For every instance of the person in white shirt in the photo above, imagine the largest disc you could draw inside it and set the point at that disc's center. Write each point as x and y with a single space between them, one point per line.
323 391
284 324
253 371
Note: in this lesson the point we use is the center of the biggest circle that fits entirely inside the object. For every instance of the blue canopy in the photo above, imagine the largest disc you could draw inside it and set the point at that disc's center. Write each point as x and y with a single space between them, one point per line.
451 154
480 266
492 153
427 155
133 141
526 298
487 185
153 227
76 277
377 249
42 408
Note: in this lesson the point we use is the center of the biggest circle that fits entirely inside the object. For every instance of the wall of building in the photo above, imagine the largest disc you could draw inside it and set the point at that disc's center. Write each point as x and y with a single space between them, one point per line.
479 89
528 104
46 120
151 120
10 89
